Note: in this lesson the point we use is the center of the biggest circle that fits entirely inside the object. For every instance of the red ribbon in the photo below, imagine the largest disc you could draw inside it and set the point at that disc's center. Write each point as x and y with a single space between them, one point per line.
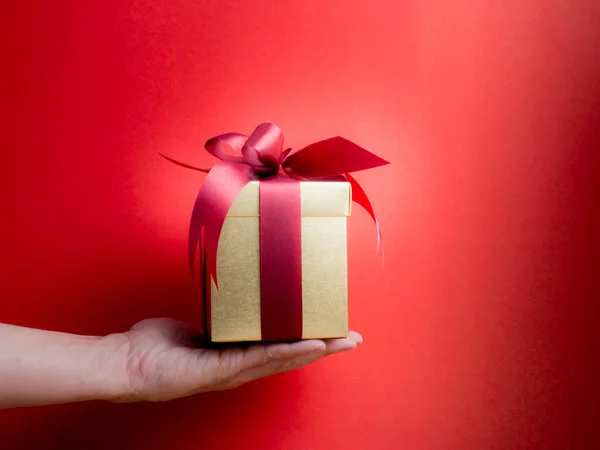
261 157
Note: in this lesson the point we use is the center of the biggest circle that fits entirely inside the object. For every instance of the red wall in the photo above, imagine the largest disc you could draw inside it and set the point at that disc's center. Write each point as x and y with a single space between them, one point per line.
480 332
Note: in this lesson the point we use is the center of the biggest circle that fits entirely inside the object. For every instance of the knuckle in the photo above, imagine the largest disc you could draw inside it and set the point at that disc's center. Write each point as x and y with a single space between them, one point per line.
291 365
269 356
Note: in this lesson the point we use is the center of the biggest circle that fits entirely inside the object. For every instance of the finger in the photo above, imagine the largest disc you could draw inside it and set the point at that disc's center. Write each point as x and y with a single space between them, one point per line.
226 365
260 355
297 354
356 336
331 347
345 344
263 360
272 368
236 366
302 361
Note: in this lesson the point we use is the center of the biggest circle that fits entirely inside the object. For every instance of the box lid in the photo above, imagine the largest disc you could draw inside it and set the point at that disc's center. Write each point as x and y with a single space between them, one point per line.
318 199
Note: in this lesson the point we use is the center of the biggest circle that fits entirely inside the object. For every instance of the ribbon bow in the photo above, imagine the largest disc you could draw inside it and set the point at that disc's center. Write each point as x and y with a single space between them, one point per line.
261 156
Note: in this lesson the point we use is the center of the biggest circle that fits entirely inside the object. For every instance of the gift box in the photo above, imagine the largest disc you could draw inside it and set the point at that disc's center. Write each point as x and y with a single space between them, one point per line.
235 307
270 227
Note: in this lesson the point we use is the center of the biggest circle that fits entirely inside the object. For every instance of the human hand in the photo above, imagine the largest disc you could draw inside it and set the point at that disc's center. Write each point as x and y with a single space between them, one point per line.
162 362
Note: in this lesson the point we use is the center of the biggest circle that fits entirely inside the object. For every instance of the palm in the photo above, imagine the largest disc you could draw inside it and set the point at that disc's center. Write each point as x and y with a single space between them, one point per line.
163 362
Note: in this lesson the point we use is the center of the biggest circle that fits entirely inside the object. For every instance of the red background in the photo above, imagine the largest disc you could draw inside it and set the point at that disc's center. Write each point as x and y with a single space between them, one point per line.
480 332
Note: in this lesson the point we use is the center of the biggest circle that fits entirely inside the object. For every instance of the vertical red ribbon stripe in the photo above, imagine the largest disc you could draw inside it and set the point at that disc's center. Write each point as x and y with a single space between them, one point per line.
280 259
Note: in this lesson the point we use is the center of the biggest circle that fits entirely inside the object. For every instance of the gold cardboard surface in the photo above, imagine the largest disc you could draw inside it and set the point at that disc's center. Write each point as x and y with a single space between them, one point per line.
324 278
235 306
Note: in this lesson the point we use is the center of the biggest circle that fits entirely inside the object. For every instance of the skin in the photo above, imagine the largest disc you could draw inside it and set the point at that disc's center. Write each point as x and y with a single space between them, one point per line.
156 360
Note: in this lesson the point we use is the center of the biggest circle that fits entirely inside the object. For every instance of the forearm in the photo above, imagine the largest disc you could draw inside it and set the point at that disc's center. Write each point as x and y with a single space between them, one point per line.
43 367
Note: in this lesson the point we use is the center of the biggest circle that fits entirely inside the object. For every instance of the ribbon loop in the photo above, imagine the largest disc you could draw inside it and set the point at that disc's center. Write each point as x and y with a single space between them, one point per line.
225 146
263 149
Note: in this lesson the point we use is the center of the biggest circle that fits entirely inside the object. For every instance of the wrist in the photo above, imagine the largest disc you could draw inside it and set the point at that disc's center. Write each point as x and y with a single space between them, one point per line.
75 368
112 356
40 367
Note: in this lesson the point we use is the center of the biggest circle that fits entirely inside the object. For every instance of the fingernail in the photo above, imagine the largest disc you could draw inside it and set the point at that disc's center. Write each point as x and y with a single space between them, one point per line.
356 337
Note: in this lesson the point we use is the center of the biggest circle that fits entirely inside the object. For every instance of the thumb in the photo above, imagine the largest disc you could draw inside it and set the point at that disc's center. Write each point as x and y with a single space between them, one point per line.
165 328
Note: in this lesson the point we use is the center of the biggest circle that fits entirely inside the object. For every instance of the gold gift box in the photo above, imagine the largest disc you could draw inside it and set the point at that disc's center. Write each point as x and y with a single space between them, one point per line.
235 306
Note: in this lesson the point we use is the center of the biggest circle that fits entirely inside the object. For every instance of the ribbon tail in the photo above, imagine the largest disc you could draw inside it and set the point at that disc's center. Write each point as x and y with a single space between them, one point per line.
195 234
187 166
360 197
211 208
